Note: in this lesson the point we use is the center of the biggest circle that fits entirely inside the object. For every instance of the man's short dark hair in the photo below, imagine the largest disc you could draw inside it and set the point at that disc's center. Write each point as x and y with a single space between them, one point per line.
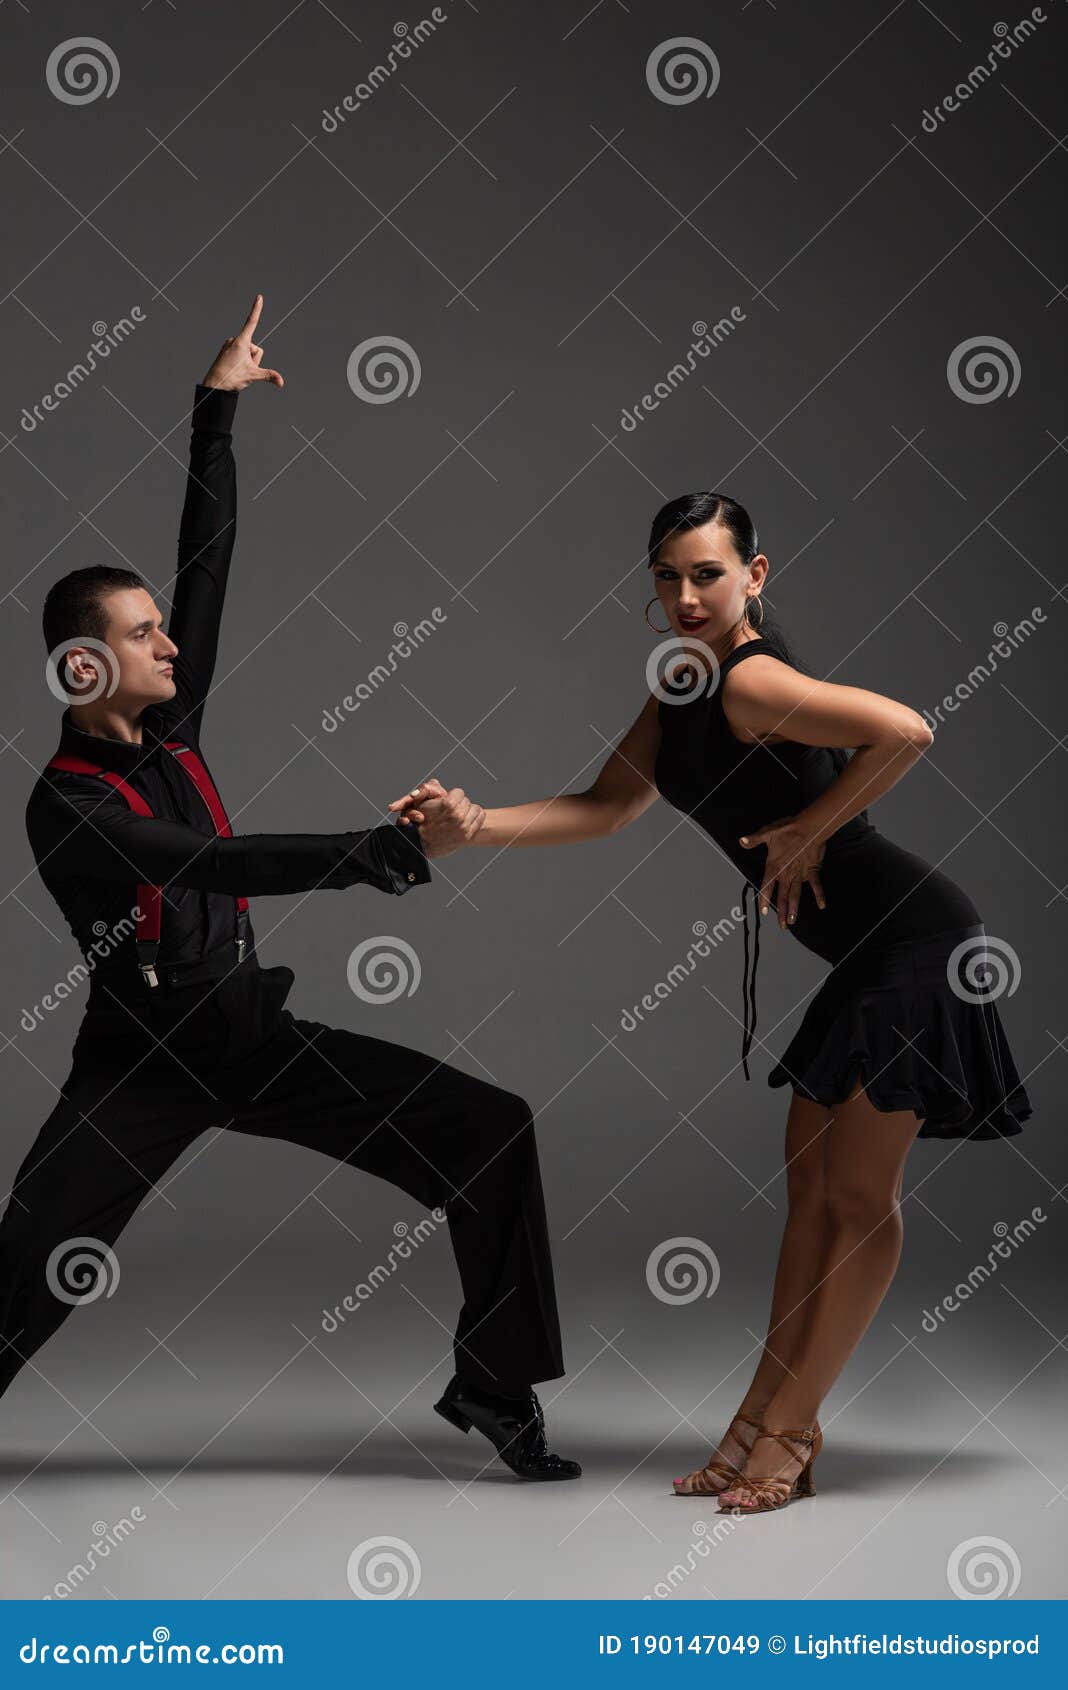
74 607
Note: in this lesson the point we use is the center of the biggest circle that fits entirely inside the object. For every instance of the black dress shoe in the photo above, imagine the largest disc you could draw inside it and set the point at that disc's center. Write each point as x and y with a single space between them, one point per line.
515 1426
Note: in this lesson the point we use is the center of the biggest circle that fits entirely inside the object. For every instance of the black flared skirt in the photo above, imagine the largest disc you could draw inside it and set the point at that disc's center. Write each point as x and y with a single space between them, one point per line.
917 1023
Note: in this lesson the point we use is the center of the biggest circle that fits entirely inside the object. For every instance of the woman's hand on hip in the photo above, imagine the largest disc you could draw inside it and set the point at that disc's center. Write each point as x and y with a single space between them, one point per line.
793 860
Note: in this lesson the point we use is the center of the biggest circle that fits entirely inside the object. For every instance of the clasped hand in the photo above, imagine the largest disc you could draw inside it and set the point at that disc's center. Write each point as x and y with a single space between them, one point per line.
446 820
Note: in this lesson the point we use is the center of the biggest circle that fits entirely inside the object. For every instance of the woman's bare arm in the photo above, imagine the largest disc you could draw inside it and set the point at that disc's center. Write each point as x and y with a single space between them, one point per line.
622 791
773 701
765 696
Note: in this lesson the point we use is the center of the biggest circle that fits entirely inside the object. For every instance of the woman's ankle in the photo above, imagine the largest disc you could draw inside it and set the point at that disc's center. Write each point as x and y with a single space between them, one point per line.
754 1406
762 1391
784 1414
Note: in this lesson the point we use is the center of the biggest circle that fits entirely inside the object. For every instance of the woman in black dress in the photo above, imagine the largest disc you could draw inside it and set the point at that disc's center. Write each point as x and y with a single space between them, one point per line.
902 1038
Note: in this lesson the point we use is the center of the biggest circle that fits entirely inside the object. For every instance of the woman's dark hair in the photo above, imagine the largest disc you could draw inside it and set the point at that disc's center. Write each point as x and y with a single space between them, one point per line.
694 510
74 607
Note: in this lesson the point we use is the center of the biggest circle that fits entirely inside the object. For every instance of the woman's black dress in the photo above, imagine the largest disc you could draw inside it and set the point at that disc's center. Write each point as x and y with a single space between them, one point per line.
908 1005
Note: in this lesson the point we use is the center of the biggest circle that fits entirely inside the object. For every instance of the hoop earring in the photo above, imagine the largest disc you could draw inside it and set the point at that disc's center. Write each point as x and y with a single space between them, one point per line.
656 630
754 598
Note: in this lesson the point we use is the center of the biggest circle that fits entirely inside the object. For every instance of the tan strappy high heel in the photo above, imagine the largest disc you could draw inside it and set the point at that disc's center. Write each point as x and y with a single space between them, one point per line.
759 1496
718 1473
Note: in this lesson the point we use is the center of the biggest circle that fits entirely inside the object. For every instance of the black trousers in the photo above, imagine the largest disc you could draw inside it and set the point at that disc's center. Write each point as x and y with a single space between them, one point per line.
151 1074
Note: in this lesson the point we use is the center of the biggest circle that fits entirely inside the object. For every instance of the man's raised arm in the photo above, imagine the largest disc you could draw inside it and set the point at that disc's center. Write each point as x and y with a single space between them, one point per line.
209 523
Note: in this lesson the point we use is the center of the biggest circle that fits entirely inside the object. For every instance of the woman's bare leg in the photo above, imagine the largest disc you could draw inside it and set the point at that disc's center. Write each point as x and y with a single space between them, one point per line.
805 1241
801 1253
864 1158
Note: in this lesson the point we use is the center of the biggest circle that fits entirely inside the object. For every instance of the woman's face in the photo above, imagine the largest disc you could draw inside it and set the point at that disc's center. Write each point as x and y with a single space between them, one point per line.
701 582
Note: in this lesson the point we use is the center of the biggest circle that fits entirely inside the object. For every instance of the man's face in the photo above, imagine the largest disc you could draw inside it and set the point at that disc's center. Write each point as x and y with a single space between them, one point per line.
142 654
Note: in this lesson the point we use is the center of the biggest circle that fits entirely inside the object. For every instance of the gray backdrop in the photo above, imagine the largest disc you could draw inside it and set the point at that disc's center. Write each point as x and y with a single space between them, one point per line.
520 204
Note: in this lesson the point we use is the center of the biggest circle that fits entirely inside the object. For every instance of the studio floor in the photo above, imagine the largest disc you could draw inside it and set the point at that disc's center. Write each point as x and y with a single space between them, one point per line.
308 1478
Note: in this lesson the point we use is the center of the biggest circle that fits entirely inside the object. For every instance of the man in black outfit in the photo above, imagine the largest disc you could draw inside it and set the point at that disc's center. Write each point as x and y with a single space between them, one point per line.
183 1030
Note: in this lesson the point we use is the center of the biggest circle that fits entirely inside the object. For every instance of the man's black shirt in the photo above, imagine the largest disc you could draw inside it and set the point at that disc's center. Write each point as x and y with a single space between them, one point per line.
92 850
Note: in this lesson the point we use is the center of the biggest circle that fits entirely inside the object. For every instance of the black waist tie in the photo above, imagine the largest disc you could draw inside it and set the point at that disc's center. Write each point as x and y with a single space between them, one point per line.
749 981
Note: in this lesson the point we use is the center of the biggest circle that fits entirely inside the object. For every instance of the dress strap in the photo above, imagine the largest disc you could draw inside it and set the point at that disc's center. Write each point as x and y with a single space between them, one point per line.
749 1005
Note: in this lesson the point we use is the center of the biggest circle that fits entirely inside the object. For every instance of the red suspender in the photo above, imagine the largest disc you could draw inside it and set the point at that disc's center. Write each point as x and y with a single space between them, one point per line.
194 768
150 898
